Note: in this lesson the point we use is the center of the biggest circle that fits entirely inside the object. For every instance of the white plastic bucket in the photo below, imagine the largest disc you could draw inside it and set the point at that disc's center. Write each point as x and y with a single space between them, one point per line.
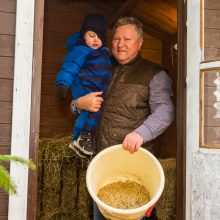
115 163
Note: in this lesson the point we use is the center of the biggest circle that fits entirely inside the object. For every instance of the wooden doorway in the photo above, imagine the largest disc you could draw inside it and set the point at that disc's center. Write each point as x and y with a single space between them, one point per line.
39 84
181 111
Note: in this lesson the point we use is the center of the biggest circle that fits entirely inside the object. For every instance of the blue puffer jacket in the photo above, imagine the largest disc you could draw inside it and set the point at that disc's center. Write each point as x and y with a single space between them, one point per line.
85 70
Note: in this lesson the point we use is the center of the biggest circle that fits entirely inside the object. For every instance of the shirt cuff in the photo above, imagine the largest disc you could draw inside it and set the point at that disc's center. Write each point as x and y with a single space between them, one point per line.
145 133
74 107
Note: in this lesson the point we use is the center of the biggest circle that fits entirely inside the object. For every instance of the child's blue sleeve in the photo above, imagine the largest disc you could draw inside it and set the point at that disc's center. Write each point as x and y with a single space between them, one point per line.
71 66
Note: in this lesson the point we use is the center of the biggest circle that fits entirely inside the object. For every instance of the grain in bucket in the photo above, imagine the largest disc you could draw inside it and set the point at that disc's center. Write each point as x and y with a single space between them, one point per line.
115 164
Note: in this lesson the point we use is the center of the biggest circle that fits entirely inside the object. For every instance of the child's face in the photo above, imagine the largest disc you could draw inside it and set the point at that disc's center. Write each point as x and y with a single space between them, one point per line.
92 40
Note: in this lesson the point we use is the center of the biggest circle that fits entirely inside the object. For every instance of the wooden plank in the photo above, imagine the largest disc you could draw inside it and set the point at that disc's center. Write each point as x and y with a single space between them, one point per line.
53 57
154 13
75 18
210 65
4 217
7 23
148 36
49 89
52 26
155 32
211 53
181 92
20 137
167 143
54 100
6 90
5 150
152 44
49 78
170 60
6 67
126 7
212 38
56 111
8 5
212 19
6 112
212 4
50 67
3 204
55 47
55 38
73 7
46 121
7 45
209 78
35 108
209 97
209 117
5 134
50 132
152 55
212 136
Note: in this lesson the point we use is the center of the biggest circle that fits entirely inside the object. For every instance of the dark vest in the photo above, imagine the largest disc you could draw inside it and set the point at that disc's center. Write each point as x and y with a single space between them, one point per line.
127 104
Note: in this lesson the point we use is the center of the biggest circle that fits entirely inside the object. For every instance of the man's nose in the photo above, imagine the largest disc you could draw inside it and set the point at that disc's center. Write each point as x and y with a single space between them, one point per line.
121 43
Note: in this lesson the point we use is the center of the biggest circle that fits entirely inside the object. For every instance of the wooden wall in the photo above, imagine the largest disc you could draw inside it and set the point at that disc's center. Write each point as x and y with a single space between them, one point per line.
211 126
167 141
60 21
7 39
212 29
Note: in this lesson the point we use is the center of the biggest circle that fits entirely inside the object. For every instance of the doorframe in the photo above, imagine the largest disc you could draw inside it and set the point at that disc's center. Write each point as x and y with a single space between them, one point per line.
21 111
35 108
181 111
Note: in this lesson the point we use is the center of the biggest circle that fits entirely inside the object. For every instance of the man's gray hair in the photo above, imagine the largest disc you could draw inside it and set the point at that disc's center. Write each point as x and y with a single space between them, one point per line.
129 20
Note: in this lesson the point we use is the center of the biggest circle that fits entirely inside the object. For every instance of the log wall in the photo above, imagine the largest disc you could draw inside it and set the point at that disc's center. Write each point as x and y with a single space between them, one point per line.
7 39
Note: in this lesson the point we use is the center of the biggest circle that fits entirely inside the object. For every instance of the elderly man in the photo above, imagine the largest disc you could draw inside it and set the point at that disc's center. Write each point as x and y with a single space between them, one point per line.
138 107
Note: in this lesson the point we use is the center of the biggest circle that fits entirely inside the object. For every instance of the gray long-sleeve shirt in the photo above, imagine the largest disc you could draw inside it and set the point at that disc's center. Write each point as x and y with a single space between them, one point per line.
162 109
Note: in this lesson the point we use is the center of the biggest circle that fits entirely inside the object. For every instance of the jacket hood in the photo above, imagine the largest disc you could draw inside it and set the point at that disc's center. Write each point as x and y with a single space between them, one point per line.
74 39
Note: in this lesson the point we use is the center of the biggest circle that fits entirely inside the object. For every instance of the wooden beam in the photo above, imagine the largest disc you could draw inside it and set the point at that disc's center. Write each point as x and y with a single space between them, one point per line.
158 34
35 108
123 10
20 134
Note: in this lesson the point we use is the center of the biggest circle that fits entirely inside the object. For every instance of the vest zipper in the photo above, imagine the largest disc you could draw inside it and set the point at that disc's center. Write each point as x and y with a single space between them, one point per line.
103 107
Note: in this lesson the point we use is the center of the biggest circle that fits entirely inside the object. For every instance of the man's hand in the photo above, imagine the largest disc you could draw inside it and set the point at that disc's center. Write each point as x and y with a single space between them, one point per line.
62 91
90 102
132 142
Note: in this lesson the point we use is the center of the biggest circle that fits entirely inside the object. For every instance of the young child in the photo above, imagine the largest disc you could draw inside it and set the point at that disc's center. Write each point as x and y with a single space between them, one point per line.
86 68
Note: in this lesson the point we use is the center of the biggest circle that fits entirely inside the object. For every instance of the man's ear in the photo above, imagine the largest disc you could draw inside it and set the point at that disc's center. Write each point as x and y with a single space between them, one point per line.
140 42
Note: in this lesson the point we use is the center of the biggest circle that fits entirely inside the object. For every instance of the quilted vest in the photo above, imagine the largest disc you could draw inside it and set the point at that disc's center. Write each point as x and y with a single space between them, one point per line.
127 104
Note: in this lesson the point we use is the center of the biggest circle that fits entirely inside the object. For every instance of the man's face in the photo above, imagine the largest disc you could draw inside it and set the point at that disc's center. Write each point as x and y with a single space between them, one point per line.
126 44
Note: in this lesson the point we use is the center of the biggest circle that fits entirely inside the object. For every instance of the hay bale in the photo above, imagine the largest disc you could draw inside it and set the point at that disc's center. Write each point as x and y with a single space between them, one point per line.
69 186
59 180
51 205
84 201
52 175
166 205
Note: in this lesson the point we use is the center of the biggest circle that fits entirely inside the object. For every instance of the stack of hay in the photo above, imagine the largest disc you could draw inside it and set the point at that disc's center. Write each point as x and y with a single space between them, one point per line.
62 192
166 205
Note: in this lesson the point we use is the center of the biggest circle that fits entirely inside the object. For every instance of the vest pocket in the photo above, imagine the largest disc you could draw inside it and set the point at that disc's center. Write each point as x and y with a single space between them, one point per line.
119 133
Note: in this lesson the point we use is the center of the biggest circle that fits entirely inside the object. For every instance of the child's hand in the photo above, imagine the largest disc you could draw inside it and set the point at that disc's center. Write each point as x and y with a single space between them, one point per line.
62 91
